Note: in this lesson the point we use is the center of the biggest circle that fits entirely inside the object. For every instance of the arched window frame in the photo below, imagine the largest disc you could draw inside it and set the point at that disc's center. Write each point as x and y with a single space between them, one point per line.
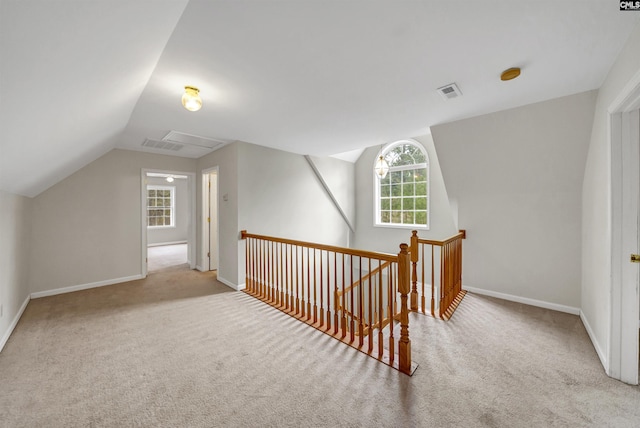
379 221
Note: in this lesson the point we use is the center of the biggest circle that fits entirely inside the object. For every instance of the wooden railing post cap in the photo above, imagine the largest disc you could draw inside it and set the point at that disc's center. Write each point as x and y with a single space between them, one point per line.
243 234
403 248
414 233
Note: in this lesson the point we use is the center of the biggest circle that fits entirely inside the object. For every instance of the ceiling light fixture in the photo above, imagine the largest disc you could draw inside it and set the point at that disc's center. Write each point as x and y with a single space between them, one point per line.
510 74
191 98
381 167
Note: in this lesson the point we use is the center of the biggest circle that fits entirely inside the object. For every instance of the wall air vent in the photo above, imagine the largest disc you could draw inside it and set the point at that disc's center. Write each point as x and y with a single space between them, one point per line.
163 145
450 91
192 140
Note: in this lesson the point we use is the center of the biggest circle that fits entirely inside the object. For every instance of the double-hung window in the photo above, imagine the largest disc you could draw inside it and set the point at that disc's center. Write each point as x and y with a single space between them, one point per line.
161 206
402 196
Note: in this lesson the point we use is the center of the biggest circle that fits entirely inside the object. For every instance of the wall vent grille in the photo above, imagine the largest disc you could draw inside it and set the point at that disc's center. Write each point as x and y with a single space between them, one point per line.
163 145
192 140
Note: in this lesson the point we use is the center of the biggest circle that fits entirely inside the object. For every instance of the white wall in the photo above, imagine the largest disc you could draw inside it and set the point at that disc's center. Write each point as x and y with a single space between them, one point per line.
516 177
596 202
179 233
339 176
87 228
280 195
369 237
15 232
269 192
226 159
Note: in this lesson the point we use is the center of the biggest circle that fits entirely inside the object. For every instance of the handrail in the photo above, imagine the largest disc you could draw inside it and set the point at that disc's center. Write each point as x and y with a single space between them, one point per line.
309 282
364 278
460 235
341 250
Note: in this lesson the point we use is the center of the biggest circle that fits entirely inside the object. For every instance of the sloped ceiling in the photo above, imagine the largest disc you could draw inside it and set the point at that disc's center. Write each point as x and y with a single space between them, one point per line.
79 78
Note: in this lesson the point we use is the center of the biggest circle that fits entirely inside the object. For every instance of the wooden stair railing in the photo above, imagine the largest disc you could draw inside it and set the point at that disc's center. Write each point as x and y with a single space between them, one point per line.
326 287
445 268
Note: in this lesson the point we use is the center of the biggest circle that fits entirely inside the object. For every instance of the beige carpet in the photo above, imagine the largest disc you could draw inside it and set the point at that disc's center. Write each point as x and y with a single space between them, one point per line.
180 349
166 256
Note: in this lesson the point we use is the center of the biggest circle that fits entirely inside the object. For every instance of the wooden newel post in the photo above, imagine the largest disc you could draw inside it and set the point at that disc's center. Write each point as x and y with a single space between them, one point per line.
414 271
404 287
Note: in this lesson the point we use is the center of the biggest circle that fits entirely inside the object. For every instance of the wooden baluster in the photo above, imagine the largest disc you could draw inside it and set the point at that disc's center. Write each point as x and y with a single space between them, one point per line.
414 270
287 276
292 306
442 277
269 273
302 301
248 280
274 273
259 267
391 313
380 313
360 305
404 286
315 289
328 291
308 284
423 299
370 312
298 273
433 282
352 323
322 289
344 301
279 274
336 302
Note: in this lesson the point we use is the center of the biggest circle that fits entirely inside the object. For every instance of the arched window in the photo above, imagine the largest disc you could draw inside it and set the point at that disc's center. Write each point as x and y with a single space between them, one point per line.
402 196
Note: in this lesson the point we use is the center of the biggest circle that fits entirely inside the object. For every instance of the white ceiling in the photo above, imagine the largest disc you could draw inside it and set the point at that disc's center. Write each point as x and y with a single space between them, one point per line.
79 78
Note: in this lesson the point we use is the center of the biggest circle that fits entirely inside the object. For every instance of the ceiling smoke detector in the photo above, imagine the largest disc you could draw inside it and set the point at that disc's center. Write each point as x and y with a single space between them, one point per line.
450 91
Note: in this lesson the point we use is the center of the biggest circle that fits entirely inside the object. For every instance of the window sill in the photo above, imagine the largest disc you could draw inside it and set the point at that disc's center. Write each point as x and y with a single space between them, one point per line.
402 226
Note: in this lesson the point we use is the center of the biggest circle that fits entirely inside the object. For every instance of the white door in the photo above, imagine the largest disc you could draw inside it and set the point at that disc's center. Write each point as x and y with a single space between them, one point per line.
213 221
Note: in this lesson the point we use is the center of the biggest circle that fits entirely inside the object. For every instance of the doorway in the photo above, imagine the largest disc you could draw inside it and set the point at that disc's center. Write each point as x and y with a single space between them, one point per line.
624 345
210 221
167 219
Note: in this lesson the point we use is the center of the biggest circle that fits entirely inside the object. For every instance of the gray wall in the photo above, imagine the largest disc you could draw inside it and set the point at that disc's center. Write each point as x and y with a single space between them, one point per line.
15 261
516 177
87 228
270 192
596 202
280 195
179 233
226 159
386 239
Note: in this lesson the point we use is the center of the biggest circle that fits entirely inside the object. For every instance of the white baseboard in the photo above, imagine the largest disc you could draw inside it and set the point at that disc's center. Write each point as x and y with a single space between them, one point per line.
525 300
84 286
161 244
13 324
200 268
231 284
596 345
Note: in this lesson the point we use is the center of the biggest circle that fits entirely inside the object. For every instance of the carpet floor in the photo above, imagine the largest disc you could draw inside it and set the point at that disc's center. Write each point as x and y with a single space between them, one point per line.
179 349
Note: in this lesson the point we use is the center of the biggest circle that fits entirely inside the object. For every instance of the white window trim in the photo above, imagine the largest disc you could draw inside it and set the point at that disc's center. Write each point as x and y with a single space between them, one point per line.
376 188
173 205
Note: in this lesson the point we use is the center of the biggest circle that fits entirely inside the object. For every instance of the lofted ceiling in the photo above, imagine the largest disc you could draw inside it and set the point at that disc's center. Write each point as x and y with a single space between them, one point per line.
79 78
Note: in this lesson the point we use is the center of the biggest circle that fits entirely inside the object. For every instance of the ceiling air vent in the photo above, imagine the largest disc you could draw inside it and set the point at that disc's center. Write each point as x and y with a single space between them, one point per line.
192 140
163 145
450 91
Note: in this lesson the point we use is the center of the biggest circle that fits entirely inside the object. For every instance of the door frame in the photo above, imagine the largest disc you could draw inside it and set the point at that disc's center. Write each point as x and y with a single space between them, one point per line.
205 263
191 228
624 130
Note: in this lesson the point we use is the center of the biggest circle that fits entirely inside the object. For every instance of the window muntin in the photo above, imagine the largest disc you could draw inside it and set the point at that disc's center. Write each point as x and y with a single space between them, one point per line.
160 206
402 197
